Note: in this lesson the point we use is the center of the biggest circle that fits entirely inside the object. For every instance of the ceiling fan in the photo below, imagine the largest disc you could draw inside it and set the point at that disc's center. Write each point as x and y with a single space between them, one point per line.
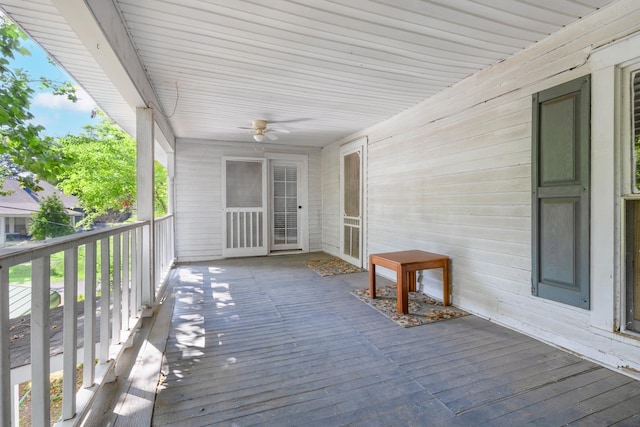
261 129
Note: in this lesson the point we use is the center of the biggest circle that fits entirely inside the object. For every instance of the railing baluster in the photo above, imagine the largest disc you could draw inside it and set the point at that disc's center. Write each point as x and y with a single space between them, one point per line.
15 403
117 299
134 273
70 333
5 365
105 303
146 268
40 361
139 270
157 250
126 280
89 336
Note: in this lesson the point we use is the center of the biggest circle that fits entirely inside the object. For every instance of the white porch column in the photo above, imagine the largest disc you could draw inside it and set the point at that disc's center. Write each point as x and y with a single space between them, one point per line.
3 234
144 168
171 173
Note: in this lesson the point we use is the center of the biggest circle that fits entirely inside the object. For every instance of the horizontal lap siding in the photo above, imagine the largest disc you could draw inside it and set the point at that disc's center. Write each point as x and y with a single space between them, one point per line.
198 202
453 175
315 202
331 203
199 197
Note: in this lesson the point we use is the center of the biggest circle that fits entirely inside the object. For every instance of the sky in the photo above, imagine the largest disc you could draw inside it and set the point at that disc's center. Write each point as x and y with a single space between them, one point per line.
57 114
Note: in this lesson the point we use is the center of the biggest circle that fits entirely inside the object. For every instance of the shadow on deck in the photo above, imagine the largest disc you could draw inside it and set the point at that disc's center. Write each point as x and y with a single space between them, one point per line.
266 341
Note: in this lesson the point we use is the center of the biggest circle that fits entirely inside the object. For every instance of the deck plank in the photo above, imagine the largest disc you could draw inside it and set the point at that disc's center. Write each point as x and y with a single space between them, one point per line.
266 341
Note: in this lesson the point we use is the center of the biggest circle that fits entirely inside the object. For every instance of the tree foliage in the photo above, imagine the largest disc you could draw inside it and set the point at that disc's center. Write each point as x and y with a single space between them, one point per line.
51 220
101 171
20 139
98 166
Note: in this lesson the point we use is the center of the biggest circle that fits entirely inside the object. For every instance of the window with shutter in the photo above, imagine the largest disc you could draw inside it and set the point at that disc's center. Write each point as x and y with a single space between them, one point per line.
632 216
560 188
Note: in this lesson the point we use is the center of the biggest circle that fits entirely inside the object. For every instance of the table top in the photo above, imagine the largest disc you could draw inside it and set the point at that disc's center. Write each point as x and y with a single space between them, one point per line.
414 255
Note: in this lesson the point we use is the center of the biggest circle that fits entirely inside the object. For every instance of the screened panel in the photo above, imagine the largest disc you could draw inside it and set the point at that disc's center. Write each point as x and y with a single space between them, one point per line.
558 242
244 184
351 236
352 184
557 141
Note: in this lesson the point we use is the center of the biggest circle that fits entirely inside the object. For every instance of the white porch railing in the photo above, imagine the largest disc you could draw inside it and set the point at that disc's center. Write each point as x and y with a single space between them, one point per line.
120 294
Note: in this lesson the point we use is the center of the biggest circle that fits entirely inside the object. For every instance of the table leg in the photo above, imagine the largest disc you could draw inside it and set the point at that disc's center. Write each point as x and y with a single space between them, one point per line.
446 284
402 291
412 280
372 280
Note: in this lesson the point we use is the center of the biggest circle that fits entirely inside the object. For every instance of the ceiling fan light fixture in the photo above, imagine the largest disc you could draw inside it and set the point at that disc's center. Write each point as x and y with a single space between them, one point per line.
259 137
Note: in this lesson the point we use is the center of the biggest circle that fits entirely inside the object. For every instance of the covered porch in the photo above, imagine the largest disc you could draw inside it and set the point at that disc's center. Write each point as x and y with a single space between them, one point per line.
351 128
266 341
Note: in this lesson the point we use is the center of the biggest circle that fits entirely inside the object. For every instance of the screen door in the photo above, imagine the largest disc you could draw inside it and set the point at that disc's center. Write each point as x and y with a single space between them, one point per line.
351 205
244 219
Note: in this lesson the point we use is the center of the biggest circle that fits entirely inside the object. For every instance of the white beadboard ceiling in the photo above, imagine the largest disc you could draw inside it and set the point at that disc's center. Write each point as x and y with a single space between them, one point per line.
323 69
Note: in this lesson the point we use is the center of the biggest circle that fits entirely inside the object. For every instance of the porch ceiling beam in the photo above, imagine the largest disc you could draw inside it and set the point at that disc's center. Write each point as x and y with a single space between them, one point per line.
99 26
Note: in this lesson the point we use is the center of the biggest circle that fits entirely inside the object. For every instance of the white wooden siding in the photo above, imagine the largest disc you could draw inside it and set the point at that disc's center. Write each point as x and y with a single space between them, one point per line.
199 195
315 202
453 175
331 199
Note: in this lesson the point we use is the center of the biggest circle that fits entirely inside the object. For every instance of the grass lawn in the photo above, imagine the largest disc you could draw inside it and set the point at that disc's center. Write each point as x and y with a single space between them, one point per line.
21 274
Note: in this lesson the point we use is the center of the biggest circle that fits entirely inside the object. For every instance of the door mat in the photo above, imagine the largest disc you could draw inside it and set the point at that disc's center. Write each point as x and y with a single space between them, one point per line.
422 309
332 266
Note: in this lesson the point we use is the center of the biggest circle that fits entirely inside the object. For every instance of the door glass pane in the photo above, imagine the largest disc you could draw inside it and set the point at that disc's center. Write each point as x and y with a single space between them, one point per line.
285 204
244 184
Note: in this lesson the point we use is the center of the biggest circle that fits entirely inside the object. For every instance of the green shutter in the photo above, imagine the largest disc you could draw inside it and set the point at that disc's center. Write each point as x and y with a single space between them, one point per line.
560 185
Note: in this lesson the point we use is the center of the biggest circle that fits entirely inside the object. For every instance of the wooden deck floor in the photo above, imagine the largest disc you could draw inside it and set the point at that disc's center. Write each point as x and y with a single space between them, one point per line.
268 342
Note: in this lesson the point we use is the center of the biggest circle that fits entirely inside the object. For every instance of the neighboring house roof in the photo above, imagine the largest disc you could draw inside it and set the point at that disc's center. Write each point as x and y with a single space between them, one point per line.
24 202
20 300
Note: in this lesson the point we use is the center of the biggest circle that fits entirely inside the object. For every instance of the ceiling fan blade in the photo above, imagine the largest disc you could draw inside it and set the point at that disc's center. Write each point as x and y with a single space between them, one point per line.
271 136
302 119
281 130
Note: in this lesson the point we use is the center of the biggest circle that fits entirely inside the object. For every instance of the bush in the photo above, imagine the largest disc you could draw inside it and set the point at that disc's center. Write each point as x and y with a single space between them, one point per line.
51 220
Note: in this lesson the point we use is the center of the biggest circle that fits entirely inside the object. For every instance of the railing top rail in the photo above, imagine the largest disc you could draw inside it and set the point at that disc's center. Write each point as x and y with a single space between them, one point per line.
163 218
14 256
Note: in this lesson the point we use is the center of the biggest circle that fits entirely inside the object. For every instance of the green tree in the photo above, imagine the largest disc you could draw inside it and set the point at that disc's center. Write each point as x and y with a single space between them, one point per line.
101 171
51 220
20 140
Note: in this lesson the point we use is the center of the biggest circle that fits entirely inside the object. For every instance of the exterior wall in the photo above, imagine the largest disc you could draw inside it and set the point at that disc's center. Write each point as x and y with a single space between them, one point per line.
198 205
453 175
331 199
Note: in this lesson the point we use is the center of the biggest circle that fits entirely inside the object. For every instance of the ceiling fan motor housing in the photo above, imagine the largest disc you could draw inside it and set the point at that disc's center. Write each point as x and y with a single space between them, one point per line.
259 125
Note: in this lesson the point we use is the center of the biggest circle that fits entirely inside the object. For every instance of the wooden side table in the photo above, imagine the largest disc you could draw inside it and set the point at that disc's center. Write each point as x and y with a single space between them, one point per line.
406 264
